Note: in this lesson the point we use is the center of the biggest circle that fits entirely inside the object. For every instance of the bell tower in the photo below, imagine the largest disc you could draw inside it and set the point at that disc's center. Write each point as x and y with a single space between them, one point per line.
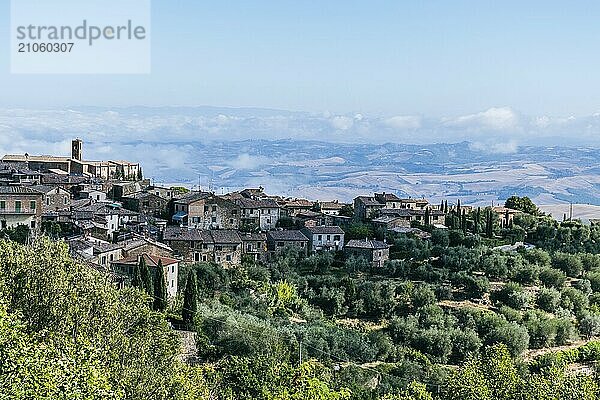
77 149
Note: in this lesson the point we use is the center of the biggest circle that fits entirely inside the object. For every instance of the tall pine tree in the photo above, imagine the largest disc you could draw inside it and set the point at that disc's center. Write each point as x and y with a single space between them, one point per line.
190 299
146 277
160 289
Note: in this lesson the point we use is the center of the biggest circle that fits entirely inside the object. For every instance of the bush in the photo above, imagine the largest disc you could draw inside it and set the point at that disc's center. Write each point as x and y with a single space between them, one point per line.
589 325
548 299
551 277
513 335
568 263
512 295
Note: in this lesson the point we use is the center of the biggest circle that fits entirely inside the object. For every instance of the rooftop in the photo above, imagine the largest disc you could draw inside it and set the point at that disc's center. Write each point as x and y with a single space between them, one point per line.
151 261
367 244
326 230
290 236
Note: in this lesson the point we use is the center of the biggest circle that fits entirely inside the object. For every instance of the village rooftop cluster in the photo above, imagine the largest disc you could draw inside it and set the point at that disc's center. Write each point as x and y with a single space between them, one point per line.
111 217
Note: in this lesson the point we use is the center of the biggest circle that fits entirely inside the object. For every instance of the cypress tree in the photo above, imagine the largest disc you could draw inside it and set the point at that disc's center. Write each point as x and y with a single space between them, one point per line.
489 229
160 289
190 299
146 277
427 216
446 207
477 221
464 222
136 280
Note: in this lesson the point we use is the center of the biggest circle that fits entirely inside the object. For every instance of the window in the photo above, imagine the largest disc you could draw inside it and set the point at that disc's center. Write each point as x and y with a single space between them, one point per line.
47 201
249 247
219 248
231 220
196 257
280 244
214 219
328 237
214 208
65 200
233 212
18 206
2 205
205 209
172 283
103 260
203 258
228 258
320 237
112 257
3 224
336 238
172 269
301 244
32 224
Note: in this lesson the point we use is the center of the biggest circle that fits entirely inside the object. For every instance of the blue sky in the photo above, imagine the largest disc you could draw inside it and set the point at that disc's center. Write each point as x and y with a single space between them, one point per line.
380 58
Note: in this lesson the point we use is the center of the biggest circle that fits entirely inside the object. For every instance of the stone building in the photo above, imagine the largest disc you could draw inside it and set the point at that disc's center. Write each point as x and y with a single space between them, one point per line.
203 210
254 245
147 203
126 267
277 240
54 198
374 251
262 213
20 205
108 170
324 238
197 245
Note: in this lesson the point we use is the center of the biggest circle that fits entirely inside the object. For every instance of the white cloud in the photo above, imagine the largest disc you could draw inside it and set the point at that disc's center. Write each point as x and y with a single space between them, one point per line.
342 123
500 119
491 147
247 161
403 122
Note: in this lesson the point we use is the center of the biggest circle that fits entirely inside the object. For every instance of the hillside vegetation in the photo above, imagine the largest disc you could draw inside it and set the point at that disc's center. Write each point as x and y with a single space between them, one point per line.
447 318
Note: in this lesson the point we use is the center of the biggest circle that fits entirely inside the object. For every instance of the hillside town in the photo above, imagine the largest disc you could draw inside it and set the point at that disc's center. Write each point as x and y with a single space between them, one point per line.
111 217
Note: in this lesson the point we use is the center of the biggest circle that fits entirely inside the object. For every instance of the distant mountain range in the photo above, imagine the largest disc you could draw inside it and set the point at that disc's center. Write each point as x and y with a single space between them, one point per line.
321 170
497 153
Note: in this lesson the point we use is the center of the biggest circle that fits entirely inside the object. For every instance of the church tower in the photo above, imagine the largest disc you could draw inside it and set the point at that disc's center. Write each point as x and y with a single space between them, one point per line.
77 149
